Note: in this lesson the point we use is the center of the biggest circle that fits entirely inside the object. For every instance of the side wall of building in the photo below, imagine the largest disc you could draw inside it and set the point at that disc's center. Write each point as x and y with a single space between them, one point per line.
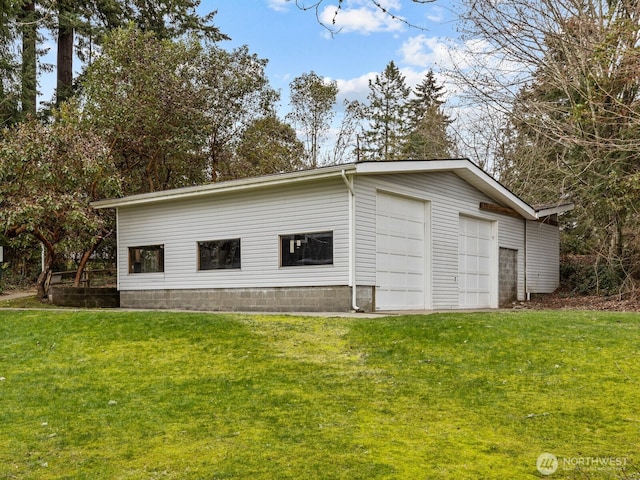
543 257
257 217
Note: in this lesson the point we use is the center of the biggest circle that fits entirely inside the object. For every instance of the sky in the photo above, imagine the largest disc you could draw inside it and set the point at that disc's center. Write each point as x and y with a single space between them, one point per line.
295 42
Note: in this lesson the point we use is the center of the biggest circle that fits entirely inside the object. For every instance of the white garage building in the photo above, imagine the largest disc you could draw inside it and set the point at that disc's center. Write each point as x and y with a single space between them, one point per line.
372 236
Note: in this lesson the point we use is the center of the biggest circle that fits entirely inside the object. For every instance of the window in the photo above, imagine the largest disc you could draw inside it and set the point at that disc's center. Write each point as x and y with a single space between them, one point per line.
148 259
219 254
306 249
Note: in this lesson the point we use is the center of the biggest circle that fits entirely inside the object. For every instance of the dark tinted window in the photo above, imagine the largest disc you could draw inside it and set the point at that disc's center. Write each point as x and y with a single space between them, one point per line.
219 254
306 249
148 259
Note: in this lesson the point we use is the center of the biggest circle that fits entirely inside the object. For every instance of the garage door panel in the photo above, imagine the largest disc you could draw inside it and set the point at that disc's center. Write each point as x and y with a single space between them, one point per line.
415 230
414 246
415 282
414 298
484 248
396 225
484 264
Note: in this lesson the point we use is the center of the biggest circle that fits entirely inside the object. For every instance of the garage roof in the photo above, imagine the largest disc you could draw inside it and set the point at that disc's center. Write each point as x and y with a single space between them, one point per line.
464 168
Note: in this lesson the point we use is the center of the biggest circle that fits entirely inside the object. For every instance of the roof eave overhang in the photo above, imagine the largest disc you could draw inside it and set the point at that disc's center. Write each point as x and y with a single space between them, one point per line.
555 210
465 169
225 187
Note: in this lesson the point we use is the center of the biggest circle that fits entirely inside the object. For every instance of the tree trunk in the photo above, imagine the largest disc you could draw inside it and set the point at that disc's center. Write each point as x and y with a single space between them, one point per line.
29 69
83 263
42 284
65 53
87 255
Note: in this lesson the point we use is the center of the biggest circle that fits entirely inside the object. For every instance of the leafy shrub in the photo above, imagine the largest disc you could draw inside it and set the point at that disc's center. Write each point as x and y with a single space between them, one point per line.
589 275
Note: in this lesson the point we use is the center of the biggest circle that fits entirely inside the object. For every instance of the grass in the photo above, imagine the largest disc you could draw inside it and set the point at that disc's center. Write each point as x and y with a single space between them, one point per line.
26 302
139 395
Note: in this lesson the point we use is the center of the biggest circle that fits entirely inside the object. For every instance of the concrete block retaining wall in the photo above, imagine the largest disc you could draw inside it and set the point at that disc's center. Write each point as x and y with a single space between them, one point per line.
84 297
276 299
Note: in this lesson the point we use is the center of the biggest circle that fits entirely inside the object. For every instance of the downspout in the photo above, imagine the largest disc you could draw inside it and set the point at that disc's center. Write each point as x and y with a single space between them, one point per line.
526 253
118 269
352 242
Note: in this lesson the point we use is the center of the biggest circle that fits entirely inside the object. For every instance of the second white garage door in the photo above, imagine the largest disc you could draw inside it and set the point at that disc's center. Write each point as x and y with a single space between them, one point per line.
476 259
401 240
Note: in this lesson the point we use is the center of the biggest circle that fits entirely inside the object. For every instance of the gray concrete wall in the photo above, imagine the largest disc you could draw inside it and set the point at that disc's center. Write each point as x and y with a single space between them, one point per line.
84 297
278 299
508 271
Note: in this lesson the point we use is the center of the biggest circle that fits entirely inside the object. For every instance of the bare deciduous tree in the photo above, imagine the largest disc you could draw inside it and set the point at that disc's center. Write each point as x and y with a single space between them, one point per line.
564 75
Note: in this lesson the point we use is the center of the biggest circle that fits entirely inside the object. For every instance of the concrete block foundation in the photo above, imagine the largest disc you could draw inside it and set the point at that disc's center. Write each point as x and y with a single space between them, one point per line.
273 299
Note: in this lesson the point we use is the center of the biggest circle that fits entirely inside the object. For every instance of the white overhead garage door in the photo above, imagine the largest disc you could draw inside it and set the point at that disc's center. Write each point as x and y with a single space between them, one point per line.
475 263
400 253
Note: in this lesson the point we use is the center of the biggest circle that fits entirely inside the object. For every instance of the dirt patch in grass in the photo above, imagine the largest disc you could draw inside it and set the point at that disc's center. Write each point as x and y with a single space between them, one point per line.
565 301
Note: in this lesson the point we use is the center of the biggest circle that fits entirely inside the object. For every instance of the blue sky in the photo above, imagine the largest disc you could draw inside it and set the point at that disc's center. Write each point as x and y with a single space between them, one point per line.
295 43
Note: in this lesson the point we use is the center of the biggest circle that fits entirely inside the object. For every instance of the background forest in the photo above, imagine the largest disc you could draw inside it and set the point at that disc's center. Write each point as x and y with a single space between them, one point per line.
160 104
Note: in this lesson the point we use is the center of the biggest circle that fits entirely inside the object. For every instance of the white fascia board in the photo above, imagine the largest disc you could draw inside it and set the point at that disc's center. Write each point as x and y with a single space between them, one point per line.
465 169
558 209
225 187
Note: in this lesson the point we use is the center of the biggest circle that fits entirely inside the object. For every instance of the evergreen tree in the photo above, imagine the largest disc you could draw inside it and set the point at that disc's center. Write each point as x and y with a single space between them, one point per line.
90 19
387 114
237 92
76 27
175 112
428 137
49 175
29 32
10 11
144 97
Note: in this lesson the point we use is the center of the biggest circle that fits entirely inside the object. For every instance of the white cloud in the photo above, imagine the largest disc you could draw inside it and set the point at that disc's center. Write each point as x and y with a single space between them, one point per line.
355 88
436 14
362 17
278 5
423 51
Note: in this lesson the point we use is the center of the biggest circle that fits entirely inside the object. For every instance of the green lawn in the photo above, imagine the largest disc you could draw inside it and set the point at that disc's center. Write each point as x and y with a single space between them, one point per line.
139 395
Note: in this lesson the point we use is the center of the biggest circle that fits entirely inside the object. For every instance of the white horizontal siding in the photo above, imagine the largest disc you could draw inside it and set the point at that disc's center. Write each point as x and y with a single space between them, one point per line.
258 218
365 231
450 196
543 257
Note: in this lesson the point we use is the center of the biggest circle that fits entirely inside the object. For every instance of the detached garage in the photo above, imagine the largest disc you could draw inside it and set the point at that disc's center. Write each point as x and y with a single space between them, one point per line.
372 236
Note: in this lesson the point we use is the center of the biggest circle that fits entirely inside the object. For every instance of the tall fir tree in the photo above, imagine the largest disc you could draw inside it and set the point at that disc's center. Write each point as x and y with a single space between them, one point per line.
90 19
428 137
387 114
19 37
